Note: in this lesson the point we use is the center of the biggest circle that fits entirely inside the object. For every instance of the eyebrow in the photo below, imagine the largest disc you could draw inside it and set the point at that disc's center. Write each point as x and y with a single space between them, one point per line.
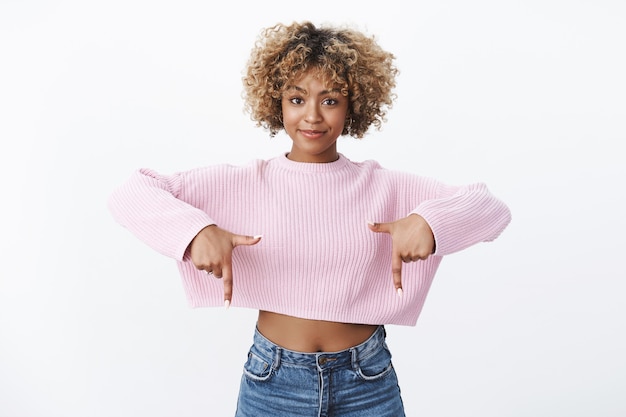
321 93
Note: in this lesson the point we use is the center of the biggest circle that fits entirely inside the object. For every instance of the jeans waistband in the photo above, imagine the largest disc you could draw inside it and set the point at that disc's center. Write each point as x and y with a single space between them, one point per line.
277 354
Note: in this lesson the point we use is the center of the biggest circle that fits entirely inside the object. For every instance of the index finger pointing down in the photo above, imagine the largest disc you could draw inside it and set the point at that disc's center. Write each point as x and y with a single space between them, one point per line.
227 277
396 270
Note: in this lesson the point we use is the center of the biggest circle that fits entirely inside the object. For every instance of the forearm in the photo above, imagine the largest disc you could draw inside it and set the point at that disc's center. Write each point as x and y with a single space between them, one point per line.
464 216
147 206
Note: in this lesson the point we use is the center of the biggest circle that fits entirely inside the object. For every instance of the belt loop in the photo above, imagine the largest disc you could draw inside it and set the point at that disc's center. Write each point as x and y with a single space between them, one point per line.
277 357
355 358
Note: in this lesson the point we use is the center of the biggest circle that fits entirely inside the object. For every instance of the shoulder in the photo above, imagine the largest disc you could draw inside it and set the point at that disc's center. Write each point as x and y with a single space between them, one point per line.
376 168
404 182
228 168
365 165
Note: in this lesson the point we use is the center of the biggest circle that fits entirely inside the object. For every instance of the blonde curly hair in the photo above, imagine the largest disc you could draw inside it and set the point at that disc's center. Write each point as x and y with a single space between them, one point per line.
364 72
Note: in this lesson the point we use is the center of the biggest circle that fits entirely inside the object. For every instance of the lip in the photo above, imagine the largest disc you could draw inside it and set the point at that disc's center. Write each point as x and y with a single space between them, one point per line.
312 134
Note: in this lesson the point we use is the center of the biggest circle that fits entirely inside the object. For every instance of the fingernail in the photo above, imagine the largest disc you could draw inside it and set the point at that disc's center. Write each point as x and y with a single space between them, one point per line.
226 304
257 237
371 223
399 291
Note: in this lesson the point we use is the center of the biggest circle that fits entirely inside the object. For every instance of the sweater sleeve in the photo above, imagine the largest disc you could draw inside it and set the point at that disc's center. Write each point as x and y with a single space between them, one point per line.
147 204
463 216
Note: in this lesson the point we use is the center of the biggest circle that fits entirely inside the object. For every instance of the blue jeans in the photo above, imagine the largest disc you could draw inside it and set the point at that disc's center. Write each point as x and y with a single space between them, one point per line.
356 382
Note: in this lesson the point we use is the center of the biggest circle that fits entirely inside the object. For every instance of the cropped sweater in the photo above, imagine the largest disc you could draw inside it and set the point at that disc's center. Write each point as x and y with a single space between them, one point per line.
317 258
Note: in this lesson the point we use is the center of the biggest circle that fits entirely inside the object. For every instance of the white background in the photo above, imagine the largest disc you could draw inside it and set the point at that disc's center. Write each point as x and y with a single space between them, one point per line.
527 96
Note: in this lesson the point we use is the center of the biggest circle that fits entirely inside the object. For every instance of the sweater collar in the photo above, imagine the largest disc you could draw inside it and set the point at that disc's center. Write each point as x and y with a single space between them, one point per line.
290 165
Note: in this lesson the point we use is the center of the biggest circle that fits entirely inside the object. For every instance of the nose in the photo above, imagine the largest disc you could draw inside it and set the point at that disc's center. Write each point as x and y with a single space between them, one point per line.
312 114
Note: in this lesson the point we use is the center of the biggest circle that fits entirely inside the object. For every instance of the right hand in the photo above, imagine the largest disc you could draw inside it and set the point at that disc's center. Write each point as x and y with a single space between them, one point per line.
212 249
412 240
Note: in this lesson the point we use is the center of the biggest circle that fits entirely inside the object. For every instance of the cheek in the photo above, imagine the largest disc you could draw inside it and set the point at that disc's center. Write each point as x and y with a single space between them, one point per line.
288 114
338 119
289 119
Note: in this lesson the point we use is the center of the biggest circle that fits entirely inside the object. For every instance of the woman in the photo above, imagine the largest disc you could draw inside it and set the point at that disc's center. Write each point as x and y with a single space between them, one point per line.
328 250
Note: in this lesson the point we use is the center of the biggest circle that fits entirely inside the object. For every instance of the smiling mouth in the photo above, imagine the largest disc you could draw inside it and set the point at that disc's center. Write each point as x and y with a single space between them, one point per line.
312 133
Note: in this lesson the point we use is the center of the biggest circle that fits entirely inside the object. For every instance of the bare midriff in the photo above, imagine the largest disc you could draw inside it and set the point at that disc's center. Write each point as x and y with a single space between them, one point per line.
304 335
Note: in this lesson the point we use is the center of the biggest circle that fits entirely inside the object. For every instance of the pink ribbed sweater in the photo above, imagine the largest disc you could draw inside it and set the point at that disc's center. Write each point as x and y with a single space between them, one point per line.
317 258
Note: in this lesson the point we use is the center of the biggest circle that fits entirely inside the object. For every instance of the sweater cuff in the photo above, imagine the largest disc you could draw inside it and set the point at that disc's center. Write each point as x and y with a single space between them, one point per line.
193 227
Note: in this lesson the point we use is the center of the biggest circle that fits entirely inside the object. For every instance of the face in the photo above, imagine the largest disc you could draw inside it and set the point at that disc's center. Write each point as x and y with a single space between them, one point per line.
313 116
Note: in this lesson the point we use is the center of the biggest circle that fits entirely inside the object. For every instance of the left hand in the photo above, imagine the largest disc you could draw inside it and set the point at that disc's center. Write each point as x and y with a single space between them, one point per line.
412 240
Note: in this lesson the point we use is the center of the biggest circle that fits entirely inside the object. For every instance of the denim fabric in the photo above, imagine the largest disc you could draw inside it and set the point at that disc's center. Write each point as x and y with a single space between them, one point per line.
356 382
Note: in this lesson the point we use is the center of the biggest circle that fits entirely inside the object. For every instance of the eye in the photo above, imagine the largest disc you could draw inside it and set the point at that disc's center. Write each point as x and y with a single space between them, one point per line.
330 101
296 100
